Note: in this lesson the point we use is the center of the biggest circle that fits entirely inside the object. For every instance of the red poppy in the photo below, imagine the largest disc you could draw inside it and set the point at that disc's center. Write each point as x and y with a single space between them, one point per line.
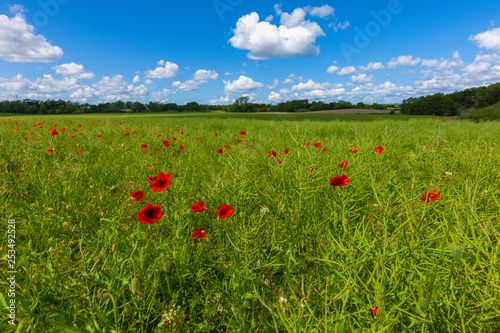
51 150
273 153
72 136
379 150
243 133
286 151
119 123
54 132
137 195
144 146
343 164
79 125
150 214
354 150
374 310
126 134
339 181
312 169
324 149
307 144
220 150
199 233
430 196
198 207
227 147
63 130
99 136
158 149
181 147
272 136
318 144
216 134
238 141
160 183
174 138
80 152
224 211
165 142
25 138
199 139
74 130
280 161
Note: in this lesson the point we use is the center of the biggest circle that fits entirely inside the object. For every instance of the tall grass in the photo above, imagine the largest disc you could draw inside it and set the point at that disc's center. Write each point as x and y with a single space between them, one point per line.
297 255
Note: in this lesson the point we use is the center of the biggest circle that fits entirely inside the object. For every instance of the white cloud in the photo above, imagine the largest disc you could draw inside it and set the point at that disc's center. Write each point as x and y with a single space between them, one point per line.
323 11
274 97
372 66
73 70
293 38
149 81
114 88
288 81
362 78
403 61
311 85
83 95
18 43
188 85
161 95
332 69
336 26
167 70
203 76
442 64
243 84
347 70
227 73
275 83
136 79
269 18
489 39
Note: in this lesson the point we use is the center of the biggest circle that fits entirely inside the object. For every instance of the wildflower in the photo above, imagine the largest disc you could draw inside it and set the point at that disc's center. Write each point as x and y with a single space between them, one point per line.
165 143
339 181
144 146
199 233
430 196
379 150
220 151
343 164
54 132
198 207
126 134
307 144
99 136
150 214
224 211
181 147
160 183
374 310
51 150
354 150
318 144
243 133
286 151
137 195
273 153
227 147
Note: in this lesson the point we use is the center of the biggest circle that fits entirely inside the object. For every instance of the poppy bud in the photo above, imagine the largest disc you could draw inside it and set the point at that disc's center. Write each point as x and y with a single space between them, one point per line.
457 253
134 286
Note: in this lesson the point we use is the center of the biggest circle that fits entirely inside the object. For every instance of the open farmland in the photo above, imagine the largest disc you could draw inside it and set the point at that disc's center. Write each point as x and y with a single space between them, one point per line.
407 240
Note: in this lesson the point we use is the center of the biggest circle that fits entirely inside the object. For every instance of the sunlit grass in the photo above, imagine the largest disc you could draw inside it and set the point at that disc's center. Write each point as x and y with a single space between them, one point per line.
297 254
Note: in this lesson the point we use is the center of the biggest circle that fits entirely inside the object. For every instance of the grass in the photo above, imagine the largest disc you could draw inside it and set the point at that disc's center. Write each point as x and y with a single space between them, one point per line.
297 255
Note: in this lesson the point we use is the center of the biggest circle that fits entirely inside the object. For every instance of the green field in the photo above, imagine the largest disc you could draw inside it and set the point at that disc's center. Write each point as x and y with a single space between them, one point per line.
296 255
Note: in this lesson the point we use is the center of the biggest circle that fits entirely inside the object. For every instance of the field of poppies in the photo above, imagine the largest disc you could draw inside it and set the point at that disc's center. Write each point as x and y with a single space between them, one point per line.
172 224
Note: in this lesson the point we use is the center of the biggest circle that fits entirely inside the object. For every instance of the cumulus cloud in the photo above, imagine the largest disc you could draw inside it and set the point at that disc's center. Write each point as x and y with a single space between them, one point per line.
372 66
323 11
188 85
114 88
241 85
274 97
403 61
362 78
203 75
455 62
166 70
73 70
149 81
332 69
311 85
293 38
489 39
18 43
347 70
47 84
136 79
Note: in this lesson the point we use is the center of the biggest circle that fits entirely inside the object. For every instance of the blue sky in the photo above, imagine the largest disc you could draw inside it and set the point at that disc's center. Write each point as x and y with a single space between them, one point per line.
215 51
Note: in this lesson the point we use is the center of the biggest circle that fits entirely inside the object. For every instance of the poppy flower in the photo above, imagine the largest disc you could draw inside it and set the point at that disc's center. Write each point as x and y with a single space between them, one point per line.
158 149
63 130
354 150
165 143
374 310
216 134
430 196
243 133
174 138
199 233
286 151
74 130
72 136
227 147
343 164
220 150
379 150
160 183
80 126
54 132
273 153
80 152
51 150
181 147
25 138
137 195
339 181
324 149
99 136
182 133
224 211
126 134
280 161
318 144
238 141
144 146
312 169
307 144
150 214
198 207
119 123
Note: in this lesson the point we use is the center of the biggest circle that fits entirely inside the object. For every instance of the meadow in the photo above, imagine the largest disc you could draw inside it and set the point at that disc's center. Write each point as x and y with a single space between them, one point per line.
410 243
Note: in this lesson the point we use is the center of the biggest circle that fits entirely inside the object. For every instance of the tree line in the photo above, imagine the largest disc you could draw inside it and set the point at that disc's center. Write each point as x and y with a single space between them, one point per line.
452 104
242 104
